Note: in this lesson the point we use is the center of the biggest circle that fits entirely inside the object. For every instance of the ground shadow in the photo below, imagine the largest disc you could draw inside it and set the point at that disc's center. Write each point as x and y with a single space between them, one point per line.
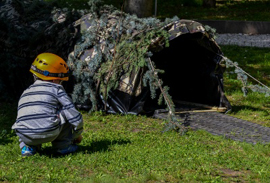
6 136
97 146
8 113
236 109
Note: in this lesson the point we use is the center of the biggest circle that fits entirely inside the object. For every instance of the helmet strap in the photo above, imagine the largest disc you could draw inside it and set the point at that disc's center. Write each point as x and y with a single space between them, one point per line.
49 74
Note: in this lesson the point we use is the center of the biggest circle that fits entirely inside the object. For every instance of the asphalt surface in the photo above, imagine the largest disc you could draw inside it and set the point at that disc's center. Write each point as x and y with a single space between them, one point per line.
224 125
260 40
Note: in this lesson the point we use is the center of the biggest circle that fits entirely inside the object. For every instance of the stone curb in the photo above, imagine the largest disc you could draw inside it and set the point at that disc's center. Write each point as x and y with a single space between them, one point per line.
234 26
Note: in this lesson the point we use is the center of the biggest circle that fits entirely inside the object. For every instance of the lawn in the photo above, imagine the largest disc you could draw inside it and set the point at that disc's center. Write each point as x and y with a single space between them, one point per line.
132 149
127 148
119 148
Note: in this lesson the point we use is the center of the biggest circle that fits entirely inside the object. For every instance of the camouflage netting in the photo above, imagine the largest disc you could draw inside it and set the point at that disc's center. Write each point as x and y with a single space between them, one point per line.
117 68
28 28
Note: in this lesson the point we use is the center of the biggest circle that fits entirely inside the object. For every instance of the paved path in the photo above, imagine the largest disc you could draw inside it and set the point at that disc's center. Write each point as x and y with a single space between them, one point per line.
224 125
260 40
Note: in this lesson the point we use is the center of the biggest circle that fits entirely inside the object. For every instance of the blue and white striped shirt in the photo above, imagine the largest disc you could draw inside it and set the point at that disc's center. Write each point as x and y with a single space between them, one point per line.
39 108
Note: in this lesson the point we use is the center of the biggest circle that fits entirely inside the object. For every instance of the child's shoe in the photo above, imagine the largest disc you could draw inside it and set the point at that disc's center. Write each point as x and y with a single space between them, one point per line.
28 150
70 149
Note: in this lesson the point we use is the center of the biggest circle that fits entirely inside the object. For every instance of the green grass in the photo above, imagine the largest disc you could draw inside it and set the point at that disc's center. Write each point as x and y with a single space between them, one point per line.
132 149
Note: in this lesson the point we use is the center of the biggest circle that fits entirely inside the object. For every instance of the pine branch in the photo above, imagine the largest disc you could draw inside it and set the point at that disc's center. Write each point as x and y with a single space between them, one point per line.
243 76
161 89
113 61
169 102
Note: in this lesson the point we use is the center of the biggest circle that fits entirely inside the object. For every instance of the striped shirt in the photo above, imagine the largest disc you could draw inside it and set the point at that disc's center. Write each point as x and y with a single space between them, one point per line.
38 111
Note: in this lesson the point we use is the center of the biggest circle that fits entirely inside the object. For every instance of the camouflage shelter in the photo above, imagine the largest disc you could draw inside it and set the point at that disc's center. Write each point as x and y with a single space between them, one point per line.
193 66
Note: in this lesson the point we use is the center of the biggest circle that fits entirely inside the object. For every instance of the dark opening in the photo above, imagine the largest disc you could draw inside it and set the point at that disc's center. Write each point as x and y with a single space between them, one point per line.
189 64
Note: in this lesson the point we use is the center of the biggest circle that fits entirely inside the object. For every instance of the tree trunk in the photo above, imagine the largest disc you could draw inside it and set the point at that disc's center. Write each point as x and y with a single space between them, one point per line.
141 8
209 3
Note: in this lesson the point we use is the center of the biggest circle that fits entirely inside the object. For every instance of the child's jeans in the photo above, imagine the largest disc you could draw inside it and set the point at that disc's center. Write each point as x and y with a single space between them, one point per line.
64 138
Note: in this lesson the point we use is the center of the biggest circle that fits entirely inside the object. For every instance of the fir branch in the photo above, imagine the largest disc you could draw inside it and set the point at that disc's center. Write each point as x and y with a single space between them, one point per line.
112 64
173 121
243 76
168 101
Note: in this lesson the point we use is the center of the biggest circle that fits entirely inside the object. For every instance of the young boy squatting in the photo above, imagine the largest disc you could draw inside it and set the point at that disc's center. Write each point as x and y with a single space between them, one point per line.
45 111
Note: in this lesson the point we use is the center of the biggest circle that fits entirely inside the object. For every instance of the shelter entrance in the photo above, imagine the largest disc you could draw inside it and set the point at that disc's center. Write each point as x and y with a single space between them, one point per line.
190 70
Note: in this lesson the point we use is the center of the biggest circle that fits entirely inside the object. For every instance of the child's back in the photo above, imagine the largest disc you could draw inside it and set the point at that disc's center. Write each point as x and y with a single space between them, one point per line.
45 112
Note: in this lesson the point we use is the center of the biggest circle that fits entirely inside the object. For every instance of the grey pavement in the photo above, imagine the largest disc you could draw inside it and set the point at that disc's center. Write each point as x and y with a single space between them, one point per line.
256 40
224 125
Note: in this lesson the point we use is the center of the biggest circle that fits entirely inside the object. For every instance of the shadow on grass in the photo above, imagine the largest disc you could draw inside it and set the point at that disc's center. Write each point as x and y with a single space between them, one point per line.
6 136
8 113
236 109
98 146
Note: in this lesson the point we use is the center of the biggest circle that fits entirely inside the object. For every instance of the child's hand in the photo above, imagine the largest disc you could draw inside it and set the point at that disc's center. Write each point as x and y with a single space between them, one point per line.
78 140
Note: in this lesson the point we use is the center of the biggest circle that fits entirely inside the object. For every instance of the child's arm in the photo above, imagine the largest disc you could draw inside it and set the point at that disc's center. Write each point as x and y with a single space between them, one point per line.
73 116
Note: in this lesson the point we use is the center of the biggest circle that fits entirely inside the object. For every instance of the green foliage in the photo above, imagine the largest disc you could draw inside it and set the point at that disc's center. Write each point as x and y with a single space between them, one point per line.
150 78
94 5
261 89
129 56
119 47
211 31
241 76
29 28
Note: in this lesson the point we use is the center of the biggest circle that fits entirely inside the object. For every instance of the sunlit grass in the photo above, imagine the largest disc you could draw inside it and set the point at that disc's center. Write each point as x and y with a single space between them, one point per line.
118 148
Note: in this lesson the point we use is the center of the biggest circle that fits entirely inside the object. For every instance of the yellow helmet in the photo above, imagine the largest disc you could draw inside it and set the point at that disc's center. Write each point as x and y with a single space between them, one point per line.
48 66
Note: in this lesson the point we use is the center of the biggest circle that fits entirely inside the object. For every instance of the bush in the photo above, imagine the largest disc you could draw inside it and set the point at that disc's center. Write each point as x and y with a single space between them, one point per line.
27 29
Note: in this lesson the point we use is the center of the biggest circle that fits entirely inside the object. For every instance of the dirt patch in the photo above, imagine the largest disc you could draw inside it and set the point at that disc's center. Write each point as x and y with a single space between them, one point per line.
136 130
231 173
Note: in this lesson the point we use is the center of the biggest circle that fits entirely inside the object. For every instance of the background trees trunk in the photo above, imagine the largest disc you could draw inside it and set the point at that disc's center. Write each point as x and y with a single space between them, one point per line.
142 8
